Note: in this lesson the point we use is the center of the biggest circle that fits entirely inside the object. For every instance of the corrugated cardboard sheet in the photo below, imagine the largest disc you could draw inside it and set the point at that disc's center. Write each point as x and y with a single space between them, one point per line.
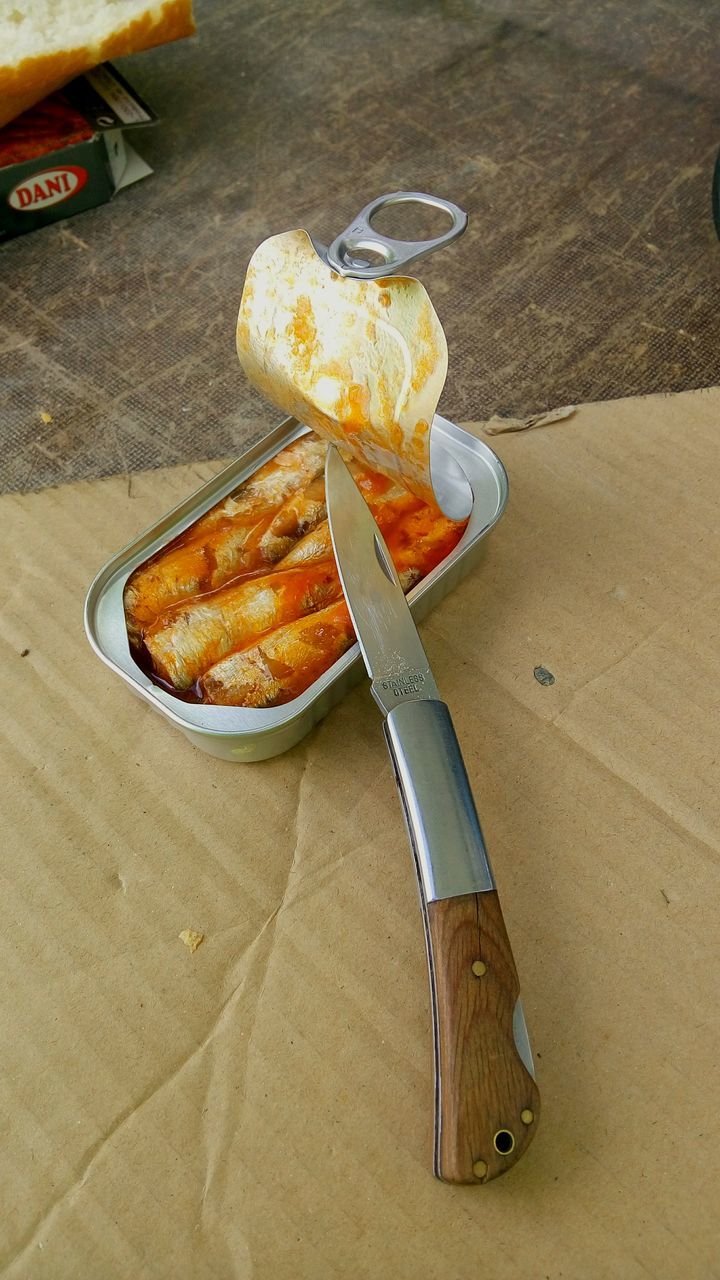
262 1107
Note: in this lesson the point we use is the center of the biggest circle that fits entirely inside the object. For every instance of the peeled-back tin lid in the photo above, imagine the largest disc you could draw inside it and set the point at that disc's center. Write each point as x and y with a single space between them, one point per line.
353 351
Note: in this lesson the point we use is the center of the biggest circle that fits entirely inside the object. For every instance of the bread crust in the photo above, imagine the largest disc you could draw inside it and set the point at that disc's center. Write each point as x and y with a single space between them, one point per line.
23 85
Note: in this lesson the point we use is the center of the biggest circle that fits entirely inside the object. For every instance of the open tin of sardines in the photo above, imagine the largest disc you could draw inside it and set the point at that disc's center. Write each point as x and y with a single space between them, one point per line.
228 616
259 732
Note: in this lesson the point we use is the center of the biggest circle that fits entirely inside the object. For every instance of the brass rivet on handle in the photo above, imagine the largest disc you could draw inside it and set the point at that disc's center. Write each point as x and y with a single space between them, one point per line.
527 1116
479 968
479 1168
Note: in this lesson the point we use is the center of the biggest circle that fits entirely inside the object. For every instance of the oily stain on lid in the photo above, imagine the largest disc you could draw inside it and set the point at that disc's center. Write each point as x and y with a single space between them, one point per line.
363 362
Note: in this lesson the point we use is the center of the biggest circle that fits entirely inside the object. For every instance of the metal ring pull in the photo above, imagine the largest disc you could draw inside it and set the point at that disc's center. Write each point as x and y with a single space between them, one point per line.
345 254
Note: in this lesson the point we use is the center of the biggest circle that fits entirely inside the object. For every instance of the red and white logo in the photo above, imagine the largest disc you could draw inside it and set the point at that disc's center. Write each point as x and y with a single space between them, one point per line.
49 186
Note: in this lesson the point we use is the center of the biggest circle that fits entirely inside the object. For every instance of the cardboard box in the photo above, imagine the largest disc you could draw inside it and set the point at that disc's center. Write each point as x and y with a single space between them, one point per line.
69 153
260 1108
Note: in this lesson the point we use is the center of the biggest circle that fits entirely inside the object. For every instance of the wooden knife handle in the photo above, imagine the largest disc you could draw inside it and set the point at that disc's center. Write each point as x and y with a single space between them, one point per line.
486 1102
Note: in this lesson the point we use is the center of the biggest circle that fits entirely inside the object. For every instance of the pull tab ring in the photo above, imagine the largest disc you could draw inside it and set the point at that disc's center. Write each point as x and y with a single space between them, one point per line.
345 254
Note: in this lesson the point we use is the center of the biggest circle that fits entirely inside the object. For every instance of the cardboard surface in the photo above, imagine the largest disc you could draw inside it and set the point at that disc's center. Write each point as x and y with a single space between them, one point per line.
261 1106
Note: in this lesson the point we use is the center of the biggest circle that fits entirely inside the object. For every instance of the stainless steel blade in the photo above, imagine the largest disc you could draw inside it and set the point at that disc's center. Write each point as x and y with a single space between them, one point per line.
389 642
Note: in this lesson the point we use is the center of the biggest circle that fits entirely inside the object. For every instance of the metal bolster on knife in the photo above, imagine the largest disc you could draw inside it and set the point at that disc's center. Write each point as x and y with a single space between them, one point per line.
439 808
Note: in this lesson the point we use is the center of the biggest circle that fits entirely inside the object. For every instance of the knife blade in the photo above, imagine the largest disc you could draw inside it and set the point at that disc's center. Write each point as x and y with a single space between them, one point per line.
486 1101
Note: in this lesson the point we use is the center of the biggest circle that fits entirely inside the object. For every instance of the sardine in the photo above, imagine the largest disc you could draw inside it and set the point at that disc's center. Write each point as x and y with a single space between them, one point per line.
298 516
253 527
387 500
282 664
187 640
262 493
316 545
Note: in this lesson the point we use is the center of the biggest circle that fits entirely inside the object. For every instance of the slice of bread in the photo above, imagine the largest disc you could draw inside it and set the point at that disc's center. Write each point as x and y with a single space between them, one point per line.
45 43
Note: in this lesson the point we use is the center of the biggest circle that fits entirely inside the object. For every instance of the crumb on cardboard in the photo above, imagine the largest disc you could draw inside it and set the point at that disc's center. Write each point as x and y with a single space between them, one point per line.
192 938
45 416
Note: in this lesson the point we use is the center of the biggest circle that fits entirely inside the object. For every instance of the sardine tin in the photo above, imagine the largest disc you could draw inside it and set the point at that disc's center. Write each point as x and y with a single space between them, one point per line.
251 733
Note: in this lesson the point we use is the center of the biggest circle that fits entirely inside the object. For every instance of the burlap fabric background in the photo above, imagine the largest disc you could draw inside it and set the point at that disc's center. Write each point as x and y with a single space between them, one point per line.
580 137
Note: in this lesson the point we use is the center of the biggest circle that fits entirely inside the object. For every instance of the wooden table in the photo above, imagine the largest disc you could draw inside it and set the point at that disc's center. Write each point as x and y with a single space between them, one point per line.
580 138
